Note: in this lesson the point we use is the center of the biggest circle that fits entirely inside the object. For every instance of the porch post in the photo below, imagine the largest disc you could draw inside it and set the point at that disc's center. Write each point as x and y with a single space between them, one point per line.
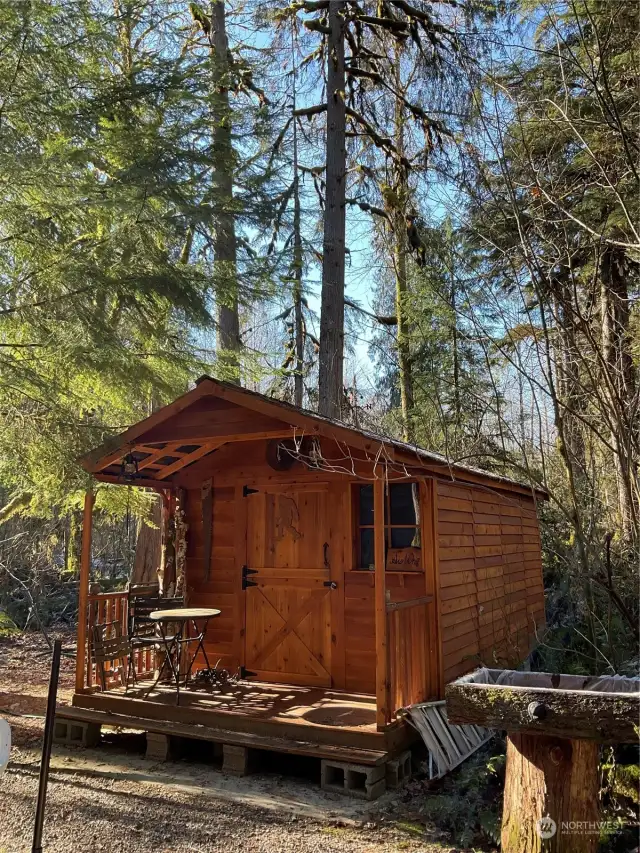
382 660
85 567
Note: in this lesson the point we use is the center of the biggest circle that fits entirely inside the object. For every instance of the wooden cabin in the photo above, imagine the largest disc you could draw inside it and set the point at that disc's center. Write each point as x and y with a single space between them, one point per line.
355 574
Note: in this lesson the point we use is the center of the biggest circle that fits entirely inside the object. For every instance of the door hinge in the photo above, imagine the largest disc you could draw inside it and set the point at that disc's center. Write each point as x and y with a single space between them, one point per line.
246 673
246 571
246 491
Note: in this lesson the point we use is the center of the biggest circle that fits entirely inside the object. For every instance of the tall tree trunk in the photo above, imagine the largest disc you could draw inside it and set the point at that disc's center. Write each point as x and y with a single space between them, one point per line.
404 356
225 273
454 328
123 13
570 394
74 543
620 387
331 356
569 439
298 378
401 250
147 557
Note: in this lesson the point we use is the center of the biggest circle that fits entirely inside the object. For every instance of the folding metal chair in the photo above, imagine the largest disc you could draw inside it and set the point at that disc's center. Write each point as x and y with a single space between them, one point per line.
142 629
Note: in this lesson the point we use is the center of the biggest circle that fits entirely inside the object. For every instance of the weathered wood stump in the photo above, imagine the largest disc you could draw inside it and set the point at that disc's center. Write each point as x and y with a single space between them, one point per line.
550 778
554 725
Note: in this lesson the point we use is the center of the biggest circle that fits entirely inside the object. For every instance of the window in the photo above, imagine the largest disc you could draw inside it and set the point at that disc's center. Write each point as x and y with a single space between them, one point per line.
402 525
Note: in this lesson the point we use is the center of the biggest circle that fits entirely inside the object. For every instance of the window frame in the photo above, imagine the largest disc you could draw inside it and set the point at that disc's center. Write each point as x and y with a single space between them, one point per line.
388 527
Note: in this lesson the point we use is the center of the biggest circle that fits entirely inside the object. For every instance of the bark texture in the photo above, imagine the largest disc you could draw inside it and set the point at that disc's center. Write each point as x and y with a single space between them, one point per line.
147 558
620 384
554 778
167 570
224 238
605 717
331 356
401 251
298 378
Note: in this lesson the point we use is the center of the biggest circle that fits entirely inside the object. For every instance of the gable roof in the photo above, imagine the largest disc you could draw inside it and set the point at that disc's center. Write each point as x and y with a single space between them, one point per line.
161 453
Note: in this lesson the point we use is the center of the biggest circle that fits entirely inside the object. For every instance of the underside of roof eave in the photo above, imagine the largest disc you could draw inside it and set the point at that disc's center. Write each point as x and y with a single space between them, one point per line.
91 461
465 475
306 422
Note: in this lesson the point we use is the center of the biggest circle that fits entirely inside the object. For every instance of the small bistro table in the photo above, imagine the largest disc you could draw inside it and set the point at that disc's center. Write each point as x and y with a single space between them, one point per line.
182 618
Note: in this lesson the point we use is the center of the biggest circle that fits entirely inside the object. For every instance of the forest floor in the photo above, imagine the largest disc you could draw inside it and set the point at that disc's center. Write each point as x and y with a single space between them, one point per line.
112 799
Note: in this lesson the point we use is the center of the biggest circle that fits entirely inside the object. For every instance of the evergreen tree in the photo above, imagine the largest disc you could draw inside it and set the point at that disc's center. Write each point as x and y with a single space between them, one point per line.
356 48
552 176
96 306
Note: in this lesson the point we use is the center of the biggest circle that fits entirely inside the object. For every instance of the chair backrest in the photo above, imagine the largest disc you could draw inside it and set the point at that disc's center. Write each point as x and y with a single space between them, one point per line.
140 609
109 643
150 589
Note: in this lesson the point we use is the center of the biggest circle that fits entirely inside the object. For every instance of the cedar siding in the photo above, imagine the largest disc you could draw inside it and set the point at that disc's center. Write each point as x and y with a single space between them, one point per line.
461 582
491 591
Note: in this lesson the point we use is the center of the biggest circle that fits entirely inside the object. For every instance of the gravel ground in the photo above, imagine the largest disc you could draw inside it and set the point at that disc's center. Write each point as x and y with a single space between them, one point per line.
99 814
105 800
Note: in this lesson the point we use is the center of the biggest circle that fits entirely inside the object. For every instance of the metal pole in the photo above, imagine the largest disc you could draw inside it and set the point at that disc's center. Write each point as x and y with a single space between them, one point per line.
46 747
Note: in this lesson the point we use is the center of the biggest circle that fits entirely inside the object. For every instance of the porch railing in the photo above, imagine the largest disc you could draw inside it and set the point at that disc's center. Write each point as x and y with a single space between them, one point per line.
113 607
408 653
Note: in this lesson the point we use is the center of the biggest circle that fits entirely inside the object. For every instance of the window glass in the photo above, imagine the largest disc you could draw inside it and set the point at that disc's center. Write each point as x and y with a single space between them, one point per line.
366 548
366 504
404 503
405 537
401 528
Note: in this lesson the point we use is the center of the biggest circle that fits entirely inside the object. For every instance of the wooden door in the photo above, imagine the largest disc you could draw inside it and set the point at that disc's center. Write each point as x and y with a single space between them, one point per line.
288 591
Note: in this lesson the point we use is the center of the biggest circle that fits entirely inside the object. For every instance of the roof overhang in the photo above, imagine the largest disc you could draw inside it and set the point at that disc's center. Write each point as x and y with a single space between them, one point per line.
207 417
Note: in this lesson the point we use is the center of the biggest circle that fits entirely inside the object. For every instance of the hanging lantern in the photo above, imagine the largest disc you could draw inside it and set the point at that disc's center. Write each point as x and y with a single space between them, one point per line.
129 466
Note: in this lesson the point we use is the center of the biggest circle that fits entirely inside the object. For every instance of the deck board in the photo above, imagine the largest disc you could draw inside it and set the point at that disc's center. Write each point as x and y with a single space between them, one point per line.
309 714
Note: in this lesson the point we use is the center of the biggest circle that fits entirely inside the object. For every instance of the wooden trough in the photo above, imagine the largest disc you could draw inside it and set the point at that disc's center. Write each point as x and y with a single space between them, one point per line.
555 725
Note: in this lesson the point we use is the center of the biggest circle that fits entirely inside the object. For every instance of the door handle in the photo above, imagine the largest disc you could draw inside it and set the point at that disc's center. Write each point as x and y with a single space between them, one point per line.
325 549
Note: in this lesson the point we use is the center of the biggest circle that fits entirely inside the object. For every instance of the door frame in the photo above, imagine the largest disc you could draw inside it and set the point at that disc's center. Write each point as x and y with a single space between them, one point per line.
335 569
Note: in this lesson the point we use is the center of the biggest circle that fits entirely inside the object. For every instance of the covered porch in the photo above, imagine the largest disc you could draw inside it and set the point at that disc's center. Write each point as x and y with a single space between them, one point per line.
229 506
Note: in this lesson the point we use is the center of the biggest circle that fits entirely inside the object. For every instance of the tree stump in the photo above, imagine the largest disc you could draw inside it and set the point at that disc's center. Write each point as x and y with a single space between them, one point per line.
551 789
554 726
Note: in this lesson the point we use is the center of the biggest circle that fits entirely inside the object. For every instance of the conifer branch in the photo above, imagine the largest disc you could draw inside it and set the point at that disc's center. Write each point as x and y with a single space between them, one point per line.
311 5
390 24
316 26
382 142
390 320
368 208
310 111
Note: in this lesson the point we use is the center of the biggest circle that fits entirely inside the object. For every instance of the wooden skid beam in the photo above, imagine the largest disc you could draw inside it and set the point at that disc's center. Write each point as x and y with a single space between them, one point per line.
291 746
144 710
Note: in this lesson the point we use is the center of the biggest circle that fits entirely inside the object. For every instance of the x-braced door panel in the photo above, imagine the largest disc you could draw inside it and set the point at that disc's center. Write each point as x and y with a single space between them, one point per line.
287 586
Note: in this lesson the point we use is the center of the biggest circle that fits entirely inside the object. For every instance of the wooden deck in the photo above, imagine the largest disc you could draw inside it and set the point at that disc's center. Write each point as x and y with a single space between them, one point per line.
303 720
